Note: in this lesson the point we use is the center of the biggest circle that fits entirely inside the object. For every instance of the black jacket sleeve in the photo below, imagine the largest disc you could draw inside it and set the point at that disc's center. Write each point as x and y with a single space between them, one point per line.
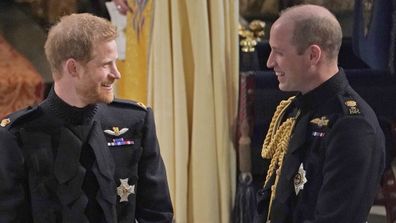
153 199
351 172
13 196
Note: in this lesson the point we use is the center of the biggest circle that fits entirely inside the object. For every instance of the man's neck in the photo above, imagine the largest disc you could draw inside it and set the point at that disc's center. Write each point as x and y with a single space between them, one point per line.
68 95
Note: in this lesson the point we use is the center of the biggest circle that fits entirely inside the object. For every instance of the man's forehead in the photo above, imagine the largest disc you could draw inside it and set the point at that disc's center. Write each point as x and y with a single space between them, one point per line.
283 23
282 31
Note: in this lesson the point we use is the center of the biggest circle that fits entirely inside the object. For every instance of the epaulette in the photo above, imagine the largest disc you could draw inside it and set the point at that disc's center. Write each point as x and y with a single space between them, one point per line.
17 116
350 105
130 102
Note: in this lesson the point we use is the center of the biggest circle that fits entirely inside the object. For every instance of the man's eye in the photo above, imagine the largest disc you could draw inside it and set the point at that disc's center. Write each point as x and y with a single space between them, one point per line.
278 53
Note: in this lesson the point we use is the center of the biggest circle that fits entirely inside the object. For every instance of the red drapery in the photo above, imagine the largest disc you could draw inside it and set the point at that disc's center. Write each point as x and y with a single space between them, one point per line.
20 84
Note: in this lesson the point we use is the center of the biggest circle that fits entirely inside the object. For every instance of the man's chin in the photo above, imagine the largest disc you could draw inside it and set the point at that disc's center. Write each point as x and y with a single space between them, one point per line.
107 98
108 101
282 87
285 88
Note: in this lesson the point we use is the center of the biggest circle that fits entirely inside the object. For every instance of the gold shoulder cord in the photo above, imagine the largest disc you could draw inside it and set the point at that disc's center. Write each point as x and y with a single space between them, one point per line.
276 143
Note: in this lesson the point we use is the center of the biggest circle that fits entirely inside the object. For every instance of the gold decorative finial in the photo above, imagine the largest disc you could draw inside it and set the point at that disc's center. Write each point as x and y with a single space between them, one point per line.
248 44
257 27
251 35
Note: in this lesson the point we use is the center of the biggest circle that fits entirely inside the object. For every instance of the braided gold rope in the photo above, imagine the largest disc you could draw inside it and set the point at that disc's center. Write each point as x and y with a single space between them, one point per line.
276 143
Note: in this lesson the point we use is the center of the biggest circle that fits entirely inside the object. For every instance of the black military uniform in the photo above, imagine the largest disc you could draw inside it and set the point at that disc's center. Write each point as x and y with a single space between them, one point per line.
334 162
96 164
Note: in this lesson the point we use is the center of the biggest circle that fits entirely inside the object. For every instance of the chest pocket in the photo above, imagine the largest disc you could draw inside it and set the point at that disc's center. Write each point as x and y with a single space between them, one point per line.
126 149
38 152
315 145
39 157
318 129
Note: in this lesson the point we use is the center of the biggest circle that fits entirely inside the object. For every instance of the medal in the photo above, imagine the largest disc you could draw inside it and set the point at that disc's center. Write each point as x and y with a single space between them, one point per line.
124 190
300 179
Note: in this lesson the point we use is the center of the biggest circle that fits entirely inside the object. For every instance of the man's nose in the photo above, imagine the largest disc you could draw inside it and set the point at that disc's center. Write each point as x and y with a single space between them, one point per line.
115 73
270 61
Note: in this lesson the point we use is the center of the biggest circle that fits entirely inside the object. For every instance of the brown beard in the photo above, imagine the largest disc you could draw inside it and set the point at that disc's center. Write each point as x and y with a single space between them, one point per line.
94 95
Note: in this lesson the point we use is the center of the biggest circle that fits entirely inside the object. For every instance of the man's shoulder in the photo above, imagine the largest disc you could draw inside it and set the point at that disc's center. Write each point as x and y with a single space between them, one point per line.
128 104
350 107
18 117
122 112
344 105
346 102
351 104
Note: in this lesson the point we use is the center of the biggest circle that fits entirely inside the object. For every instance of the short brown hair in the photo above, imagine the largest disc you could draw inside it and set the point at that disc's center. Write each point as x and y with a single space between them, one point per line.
73 37
314 28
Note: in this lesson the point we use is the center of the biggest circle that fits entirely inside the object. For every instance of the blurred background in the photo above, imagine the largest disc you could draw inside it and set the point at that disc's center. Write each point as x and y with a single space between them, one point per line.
187 60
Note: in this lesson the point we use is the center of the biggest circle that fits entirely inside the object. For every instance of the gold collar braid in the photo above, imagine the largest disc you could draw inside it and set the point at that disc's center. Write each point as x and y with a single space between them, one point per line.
276 143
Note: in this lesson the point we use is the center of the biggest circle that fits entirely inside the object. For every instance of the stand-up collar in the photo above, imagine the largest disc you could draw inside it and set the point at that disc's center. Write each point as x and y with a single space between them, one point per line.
323 92
68 113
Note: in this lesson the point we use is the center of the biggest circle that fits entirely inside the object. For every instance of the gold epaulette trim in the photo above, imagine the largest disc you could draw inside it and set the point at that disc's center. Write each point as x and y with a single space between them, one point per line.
5 122
141 105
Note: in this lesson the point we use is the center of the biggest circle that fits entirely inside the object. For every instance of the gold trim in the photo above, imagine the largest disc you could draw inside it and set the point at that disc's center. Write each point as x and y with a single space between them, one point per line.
5 122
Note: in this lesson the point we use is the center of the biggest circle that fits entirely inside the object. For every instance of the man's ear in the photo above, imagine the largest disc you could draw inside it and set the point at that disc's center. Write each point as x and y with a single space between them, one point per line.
315 53
71 66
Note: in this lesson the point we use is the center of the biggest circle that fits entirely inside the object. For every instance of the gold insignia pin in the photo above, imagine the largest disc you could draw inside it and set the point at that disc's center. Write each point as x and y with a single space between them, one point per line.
116 131
322 121
141 105
124 190
5 122
352 106
350 103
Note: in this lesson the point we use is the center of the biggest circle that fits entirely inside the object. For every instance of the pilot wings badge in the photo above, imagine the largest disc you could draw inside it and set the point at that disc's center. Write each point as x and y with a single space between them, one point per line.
320 122
116 131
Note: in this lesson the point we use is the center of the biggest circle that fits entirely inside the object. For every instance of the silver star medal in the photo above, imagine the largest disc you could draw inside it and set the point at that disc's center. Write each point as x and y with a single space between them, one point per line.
300 179
124 190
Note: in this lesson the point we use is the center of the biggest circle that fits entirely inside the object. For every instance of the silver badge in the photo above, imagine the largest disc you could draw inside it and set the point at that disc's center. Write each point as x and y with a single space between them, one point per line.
116 131
124 190
300 179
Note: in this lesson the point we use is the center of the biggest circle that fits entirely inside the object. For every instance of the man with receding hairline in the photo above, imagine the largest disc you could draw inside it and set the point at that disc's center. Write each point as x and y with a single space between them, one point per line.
82 156
325 144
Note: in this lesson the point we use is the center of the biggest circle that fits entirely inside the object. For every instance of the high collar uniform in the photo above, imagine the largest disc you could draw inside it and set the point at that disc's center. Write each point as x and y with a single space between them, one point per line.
340 145
99 164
